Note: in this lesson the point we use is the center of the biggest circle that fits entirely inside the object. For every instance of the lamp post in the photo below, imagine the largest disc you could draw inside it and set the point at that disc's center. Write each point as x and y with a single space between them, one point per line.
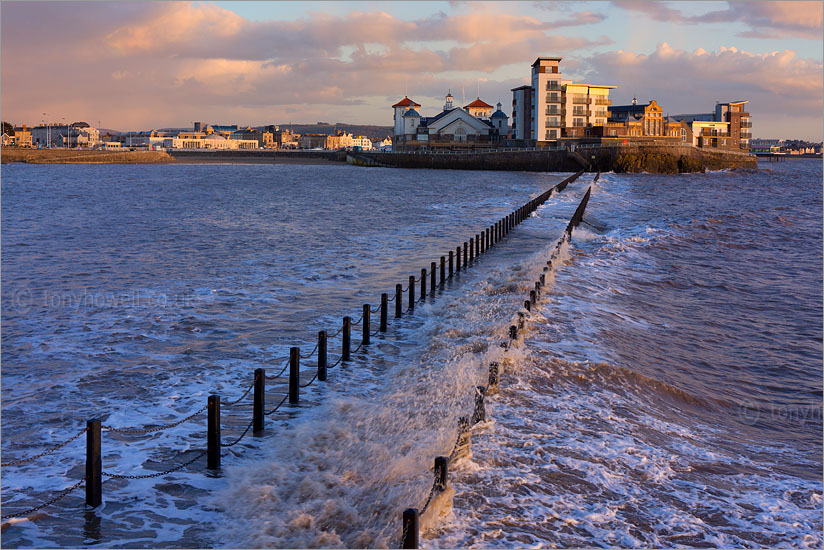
67 132
48 130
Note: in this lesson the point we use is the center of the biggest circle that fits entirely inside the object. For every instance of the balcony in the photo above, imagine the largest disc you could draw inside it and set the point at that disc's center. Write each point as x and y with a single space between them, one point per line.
746 124
599 101
746 135
580 99
578 124
553 98
553 111
552 85
553 123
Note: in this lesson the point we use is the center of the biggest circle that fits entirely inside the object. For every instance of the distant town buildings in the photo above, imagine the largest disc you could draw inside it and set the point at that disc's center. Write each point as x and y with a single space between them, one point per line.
78 134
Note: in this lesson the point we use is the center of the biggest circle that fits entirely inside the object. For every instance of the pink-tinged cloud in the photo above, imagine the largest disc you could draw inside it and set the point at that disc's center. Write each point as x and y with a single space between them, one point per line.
164 64
784 91
780 19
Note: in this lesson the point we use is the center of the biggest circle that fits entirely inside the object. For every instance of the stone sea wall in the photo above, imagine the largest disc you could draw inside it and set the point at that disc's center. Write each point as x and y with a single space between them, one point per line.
644 158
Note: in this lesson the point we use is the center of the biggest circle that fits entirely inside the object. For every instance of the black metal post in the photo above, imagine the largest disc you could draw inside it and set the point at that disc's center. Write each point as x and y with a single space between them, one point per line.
477 246
410 528
513 332
94 464
451 263
537 290
483 241
493 375
543 279
346 338
398 300
441 472
213 433
260 399
443 269
294 375
322 355
458 258
471 248
423 283
365 325
465 247
432 268
532 296
528 305
384 311
411 292
480 411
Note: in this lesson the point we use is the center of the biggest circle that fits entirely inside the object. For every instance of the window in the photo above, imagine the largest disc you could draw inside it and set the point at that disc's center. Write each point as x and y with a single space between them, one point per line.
460 131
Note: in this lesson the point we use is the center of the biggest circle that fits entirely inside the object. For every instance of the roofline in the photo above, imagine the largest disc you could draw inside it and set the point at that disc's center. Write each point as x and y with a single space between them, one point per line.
735 102
558 59
524 87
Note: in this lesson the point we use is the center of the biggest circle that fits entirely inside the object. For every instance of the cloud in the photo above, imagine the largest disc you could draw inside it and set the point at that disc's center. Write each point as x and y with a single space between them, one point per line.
802 19
171 63
779 85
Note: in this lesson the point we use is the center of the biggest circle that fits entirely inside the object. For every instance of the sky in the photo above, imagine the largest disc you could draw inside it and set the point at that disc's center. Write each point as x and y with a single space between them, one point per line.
145 65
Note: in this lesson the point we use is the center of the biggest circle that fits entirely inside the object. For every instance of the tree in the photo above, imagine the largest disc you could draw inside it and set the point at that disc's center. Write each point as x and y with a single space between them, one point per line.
8 128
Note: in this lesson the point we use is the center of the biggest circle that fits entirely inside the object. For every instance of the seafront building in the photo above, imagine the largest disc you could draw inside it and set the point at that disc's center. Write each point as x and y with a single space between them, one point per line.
475 125
553 108
728 127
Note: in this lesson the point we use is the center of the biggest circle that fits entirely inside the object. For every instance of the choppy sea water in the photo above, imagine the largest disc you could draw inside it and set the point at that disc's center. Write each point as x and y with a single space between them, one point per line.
665 392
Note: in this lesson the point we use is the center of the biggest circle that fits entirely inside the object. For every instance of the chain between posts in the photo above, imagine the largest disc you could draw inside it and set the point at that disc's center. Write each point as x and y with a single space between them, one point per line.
282 401
286 366
47 503
48 451
311 353
309 383
236 441
158 474
152 430
239 399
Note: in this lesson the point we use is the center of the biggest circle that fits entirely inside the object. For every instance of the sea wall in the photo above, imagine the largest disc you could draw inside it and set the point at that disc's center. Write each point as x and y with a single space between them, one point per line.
643 158
81 156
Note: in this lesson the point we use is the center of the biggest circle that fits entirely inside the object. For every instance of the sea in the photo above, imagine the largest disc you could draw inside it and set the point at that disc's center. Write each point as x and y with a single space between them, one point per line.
664 391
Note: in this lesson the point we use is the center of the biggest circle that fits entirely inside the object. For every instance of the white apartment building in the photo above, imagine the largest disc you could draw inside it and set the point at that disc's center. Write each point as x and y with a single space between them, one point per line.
556 104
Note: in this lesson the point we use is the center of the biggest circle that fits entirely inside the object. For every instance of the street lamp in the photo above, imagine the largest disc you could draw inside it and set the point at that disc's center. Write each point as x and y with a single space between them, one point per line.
67 131
48 130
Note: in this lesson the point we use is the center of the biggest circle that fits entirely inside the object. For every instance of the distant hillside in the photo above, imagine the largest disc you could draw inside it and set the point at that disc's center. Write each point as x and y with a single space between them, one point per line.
370 131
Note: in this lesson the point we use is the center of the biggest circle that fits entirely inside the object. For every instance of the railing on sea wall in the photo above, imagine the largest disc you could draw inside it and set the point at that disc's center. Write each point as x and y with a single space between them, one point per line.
461 258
